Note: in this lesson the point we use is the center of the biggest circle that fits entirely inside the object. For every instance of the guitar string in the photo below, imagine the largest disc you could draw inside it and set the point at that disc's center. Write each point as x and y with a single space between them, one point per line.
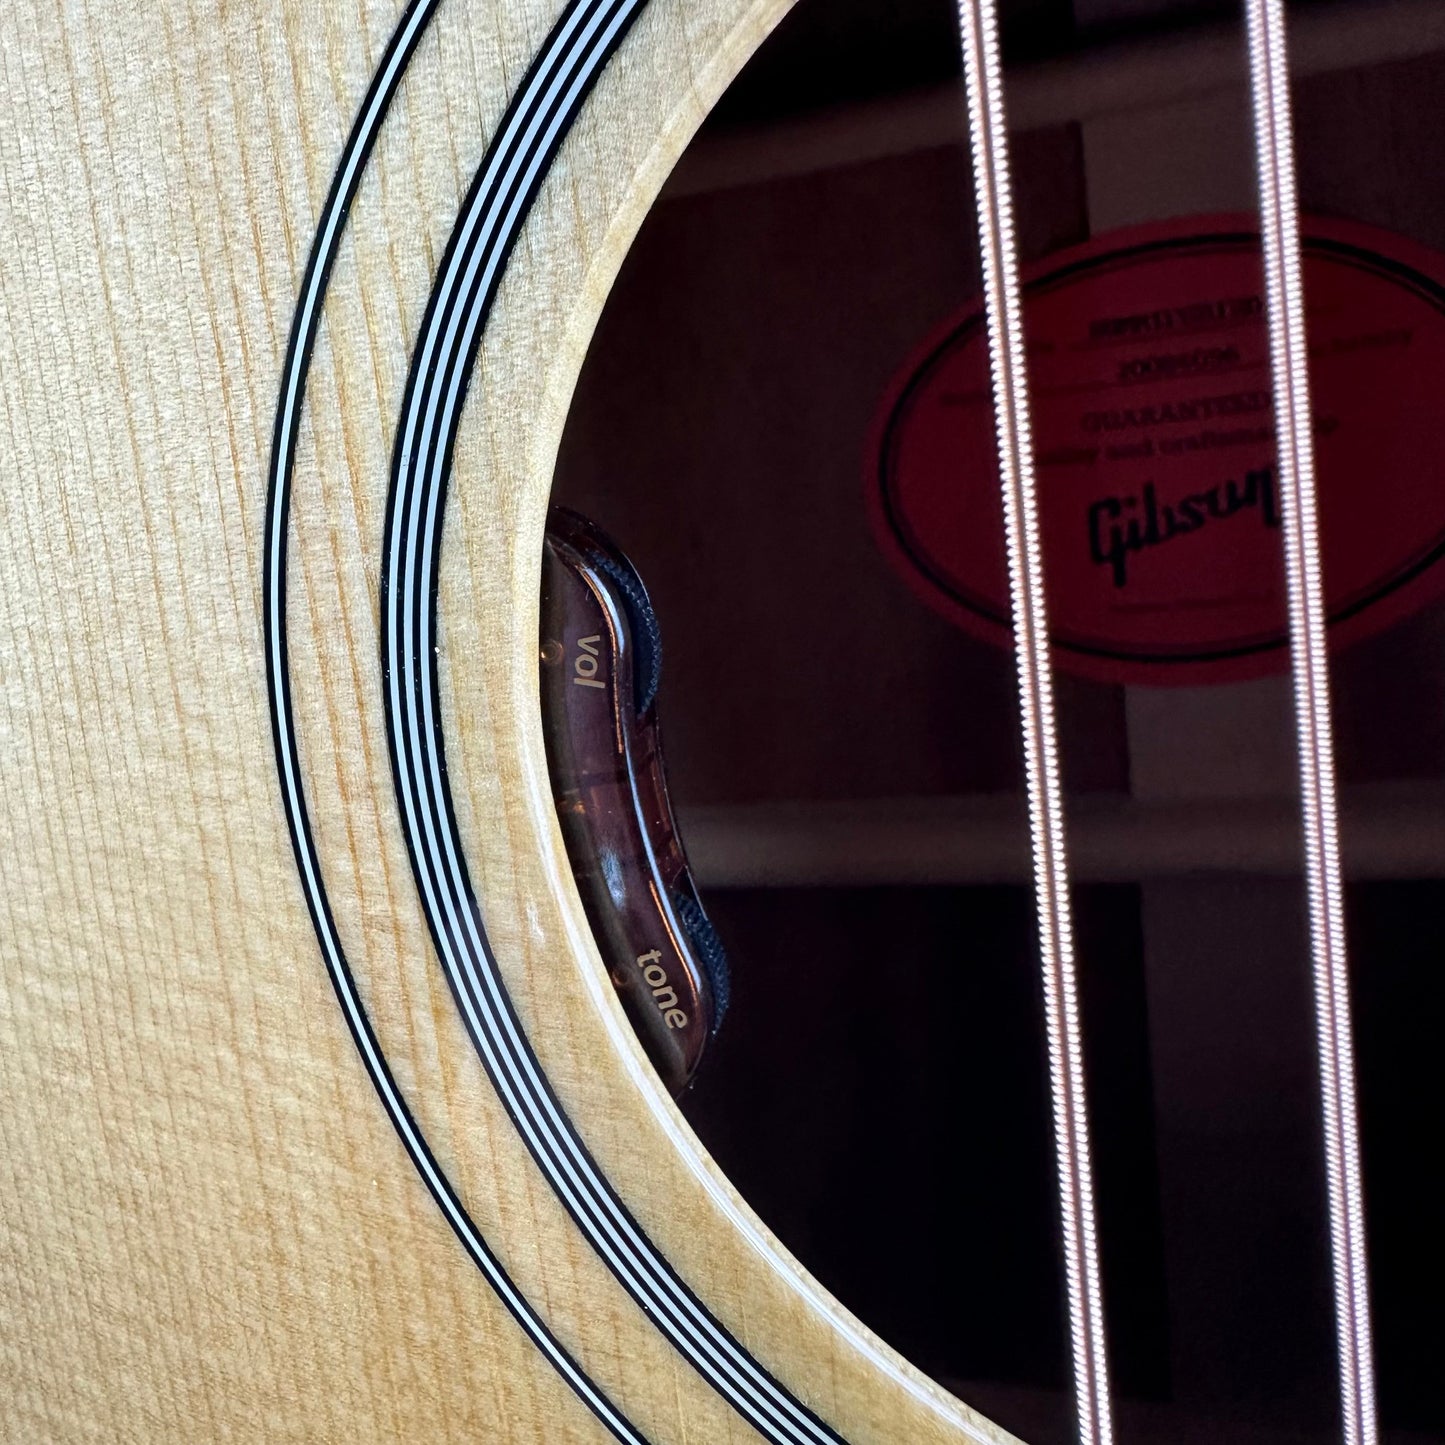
1273 130
1279 214
301 342
988 136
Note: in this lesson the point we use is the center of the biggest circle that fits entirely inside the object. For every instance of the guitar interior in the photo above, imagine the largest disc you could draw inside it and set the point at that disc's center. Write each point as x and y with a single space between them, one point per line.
845 763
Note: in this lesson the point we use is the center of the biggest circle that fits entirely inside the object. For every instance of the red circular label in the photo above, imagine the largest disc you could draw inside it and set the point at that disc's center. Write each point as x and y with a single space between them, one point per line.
1155 456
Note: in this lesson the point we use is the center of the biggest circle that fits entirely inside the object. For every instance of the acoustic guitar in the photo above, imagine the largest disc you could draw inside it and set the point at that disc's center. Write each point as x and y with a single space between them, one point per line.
322 1118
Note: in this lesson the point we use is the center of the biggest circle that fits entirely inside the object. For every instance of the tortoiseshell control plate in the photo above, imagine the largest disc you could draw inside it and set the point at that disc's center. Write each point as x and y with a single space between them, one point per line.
600 661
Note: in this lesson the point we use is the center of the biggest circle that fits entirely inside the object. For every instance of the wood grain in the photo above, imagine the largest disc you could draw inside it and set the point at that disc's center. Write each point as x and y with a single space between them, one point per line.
207 1227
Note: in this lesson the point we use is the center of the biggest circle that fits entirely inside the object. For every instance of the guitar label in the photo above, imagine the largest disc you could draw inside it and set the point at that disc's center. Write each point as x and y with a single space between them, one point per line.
1155 454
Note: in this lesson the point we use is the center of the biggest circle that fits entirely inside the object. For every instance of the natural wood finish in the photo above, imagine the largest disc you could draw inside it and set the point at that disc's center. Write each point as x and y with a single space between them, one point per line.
207 1227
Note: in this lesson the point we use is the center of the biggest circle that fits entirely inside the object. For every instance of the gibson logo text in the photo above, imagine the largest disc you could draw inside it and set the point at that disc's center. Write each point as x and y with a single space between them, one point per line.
1119 526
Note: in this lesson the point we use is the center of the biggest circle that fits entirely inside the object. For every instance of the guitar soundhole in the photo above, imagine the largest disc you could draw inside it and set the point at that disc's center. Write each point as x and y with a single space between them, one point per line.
845 766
